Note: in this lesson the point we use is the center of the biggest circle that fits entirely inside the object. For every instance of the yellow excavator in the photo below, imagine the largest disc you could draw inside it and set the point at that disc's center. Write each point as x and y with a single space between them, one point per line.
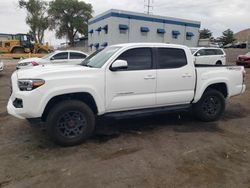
22 43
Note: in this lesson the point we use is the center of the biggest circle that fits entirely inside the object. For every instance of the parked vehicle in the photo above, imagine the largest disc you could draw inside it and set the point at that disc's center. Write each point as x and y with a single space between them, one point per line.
121 80
209 56
68 57
244 60
1 66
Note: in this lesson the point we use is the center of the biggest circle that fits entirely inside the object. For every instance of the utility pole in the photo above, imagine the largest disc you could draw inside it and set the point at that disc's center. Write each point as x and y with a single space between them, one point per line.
148 5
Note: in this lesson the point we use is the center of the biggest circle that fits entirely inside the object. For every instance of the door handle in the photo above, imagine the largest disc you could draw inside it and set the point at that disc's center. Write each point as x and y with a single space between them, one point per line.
149 77
186 75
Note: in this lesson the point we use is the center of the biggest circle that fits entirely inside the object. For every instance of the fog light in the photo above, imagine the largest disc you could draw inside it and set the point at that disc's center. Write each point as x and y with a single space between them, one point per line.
18 103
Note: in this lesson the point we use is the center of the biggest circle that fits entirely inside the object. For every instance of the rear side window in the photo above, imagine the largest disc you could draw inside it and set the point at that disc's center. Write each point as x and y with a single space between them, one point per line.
210 52
171 58
138 58
75 55
219 52
63 55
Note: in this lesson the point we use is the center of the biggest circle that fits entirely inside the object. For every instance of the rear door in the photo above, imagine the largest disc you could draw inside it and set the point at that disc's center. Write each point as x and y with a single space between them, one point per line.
76 58
134 87
175 77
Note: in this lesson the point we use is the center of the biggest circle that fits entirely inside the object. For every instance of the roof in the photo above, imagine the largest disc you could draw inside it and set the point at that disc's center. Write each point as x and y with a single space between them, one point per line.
144 17
147 44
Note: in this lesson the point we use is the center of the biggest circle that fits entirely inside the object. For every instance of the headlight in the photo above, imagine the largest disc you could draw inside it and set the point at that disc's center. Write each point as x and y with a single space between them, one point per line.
29 84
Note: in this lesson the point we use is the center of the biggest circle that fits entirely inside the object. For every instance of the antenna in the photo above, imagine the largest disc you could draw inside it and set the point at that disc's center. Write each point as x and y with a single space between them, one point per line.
149 5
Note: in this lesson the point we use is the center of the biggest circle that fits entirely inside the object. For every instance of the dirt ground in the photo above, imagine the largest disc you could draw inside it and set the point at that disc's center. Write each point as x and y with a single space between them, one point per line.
158 151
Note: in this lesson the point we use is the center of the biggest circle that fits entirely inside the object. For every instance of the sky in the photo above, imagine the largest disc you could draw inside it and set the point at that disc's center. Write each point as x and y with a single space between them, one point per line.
216 15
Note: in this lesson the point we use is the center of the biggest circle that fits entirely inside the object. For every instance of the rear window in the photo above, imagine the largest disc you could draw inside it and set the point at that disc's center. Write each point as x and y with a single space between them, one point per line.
171 58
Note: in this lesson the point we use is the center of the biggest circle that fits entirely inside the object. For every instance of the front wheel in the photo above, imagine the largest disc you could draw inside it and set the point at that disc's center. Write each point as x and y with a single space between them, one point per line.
210 107
70 122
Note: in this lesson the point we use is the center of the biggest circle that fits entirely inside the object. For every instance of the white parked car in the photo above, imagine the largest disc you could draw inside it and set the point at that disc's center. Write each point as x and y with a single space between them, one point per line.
121 80
209 56
1 66
67 57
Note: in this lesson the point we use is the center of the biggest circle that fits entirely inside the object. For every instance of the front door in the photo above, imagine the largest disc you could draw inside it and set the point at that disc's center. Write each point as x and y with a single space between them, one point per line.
134 87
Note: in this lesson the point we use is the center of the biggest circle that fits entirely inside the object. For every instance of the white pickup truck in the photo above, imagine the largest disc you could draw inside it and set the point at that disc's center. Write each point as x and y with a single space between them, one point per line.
125 79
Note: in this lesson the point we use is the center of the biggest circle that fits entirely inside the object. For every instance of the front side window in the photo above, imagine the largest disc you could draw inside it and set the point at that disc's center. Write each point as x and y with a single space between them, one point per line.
138 58
63 55
171 58
201 53
75 55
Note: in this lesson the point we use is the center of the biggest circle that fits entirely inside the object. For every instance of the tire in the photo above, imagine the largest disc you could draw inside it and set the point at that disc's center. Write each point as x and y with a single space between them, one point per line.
42 51
70 122
218 63
18 50
210 107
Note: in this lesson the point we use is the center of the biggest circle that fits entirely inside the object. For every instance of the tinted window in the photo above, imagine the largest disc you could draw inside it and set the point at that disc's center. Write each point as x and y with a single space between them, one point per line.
211 52
138 59
219 52
201 52
171 58
75 55
63 55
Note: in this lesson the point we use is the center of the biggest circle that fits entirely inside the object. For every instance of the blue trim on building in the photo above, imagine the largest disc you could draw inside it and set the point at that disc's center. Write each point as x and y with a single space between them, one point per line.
144 29
161 31
123 27
176 32
189 34
143 18
91 45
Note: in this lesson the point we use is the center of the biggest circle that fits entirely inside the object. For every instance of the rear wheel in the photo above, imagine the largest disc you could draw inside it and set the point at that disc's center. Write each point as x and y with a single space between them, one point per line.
218 63
70 122
211 106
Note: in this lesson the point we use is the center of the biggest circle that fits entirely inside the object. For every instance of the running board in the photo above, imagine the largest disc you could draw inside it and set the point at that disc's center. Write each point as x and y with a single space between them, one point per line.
148 111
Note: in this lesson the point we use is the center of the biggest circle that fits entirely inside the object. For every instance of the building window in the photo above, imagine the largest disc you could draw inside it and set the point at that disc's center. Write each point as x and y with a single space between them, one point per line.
96 45
189 35
175 34
91 32
161 31
99 29
123 28
105 44
105 28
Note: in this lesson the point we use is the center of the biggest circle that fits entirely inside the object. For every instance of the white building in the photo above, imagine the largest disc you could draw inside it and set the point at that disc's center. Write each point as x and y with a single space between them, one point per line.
116 26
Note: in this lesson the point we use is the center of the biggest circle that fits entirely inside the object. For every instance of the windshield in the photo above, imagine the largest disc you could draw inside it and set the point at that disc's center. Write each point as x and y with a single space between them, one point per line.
86 60
193 50
248 54
99 59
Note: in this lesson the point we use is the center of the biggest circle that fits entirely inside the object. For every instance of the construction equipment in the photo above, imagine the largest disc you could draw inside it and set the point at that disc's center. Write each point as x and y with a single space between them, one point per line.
22 43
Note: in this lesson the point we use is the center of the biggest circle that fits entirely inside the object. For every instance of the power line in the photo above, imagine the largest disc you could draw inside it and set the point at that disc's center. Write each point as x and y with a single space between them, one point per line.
148 4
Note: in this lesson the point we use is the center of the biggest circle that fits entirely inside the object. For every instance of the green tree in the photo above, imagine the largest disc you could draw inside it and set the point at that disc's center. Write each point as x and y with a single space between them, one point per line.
37 18
69 17
205 34
228 37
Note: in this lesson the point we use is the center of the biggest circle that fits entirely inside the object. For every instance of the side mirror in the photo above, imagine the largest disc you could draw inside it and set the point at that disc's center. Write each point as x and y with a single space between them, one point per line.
119 65
197 54
52 58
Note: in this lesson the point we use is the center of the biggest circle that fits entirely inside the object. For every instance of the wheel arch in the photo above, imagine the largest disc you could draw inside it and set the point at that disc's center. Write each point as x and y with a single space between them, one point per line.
16 47
85 97
222 87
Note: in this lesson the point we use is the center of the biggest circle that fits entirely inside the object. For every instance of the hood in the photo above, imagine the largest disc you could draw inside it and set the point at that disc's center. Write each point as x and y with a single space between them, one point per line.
36 59
47 71
244 56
